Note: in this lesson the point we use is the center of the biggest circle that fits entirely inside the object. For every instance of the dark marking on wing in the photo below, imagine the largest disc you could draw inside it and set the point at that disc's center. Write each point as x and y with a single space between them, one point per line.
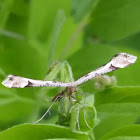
86 75
112 58
30 84
115 55
96 74
126 55
11 78
113 67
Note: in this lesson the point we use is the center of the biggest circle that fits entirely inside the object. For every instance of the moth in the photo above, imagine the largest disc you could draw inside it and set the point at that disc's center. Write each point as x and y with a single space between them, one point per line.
120 60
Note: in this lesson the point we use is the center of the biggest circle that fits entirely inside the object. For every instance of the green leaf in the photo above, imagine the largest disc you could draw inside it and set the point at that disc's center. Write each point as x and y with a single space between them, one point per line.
129 131
125 138
10 103
70 39
5 9
21 8
42 17
116 107
80 8
60 139
110 122
131 42
113 20
118 95
58 24
39 132
9 109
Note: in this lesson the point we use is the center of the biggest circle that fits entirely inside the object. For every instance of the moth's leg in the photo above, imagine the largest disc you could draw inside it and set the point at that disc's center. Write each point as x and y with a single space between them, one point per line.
58 95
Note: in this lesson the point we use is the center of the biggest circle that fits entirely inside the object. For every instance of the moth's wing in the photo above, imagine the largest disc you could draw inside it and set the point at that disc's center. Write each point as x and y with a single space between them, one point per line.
122 60
13 81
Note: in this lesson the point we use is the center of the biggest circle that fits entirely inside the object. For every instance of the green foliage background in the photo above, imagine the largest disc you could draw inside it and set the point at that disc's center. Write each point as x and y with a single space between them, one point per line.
87 33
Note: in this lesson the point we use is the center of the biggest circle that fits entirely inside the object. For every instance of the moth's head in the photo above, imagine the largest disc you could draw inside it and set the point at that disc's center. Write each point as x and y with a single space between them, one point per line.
122 60
13 81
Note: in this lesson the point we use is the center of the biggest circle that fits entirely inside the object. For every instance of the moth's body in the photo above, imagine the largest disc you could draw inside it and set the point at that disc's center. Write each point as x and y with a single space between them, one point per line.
120 60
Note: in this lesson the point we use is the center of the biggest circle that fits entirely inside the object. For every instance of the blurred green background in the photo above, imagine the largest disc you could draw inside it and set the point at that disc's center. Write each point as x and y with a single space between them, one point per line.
87 33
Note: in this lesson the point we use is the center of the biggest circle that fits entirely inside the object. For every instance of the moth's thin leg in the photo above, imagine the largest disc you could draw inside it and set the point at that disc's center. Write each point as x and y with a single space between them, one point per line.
47 111
85 113
60 94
